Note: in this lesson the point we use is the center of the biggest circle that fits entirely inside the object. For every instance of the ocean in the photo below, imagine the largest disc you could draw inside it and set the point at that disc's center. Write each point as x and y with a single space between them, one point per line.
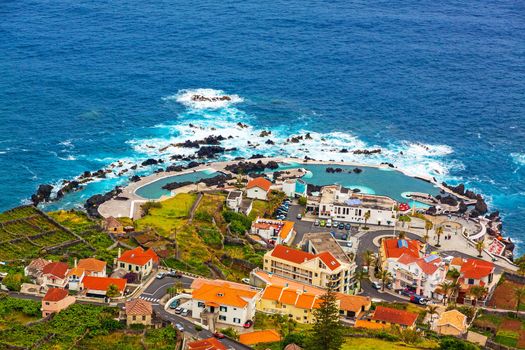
437 86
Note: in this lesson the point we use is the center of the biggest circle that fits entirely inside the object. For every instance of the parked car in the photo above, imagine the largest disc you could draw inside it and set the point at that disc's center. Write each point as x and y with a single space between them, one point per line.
376 285
344 237
322 223
179 327
341 226
348 227
335 224
175 304
416 299
329 223
185 312
245 280
160 275
178 310
349 244
248 324
316 222
218 335
299 216
406 292
175 274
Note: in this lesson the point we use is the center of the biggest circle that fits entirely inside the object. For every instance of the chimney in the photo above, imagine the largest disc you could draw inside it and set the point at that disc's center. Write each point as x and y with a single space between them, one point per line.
119 252
75 262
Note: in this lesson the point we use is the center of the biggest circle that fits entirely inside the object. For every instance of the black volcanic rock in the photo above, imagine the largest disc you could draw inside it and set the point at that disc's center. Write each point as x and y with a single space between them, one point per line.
357 170
269 142
265 133
251 167
149 161
174 167
209 151
333 170
481 206
43 194
192 165
257 156
344 150
68 187
134 178
95 201
366 151
174 185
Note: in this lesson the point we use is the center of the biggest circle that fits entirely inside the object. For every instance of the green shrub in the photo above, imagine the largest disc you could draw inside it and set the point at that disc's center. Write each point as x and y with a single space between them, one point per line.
230 332
203 216
13 282
449 343
302 201
146 207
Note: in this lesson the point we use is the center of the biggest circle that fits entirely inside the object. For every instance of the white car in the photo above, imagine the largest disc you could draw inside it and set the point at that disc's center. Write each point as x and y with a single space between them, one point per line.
179 327
184 312
376 285
349 244
245 280
316 222
329 223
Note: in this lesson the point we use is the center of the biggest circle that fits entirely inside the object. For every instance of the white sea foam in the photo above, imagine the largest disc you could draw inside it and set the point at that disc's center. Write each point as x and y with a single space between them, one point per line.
69 157
185 97
518 158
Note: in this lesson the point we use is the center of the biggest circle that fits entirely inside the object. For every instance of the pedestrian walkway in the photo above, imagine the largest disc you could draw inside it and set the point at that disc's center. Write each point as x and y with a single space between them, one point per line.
150 299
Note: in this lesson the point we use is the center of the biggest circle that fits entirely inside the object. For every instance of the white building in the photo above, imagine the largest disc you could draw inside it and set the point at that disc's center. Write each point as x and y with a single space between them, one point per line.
277 231
419 275
258 188
234 200
338 203
218 301
294 188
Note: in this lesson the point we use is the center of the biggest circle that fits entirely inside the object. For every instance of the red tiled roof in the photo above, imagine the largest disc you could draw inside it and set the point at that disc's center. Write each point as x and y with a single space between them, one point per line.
207 344
427 267
260 182
329 260
57 269
138 307
138 256
103 283
290 254
395 316
55 294
476 269
257 337
92 265
394 248
224 294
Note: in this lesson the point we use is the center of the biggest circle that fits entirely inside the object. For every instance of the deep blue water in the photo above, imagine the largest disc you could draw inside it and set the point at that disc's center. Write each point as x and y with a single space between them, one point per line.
83 84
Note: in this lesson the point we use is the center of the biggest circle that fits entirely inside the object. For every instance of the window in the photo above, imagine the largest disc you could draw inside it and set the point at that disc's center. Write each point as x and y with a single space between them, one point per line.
222 318
223 308
470 281
47 302
200 304
236 320
136 268
134 318
143 318
122 265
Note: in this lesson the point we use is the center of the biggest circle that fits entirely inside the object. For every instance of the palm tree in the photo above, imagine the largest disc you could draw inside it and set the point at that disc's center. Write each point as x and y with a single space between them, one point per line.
445 287
402 235
366 216
368 259
454 290
432 310
439 232
360 275
519 293
428 226
404 218
386 277
477 292
480 245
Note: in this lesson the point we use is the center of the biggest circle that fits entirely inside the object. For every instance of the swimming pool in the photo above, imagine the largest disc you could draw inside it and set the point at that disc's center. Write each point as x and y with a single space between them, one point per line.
154 189
380 181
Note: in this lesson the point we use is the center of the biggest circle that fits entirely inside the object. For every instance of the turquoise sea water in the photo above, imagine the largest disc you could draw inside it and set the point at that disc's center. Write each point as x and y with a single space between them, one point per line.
437 86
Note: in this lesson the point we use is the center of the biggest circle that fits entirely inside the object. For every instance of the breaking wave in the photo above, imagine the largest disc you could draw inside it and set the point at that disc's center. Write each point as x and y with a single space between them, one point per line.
204 98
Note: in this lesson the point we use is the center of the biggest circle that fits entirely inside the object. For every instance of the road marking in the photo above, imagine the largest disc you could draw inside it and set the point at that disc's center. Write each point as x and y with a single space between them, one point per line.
155 300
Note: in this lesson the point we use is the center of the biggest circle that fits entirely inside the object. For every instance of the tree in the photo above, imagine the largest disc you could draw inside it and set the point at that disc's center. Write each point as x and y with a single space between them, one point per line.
446 287
449 343
480 245
302 201
454 290
519 293
366 216
432 310
368 259
13 281
428 226
477 292
230 332
404 218
402 235
360 275
112 291
386 277
439 232
327 331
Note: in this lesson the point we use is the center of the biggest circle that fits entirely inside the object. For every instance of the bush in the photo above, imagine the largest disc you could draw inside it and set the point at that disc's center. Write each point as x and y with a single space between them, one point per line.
230 332
146 207
198 328
13 282
302 201
450 343
203 216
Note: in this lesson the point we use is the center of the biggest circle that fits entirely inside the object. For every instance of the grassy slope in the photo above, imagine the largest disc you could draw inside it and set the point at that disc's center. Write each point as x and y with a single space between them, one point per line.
378 344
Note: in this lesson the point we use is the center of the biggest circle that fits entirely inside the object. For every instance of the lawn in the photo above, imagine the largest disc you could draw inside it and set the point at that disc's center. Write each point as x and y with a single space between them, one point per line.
378 344
509 330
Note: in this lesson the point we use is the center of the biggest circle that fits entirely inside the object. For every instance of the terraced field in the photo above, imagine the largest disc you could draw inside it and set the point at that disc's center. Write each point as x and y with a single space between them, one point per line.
25 231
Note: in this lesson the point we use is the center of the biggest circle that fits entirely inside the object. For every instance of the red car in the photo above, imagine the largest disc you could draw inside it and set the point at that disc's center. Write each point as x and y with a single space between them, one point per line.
248 324
218 335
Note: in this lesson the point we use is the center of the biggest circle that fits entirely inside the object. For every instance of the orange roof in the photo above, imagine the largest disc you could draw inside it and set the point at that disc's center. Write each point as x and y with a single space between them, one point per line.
353 303
286 229
476 269
395 247
139 307
257 337
260 182
103 283
207 344
306 301
272 293
329 260
457 261
288 297
57 269
92 265
369 325
138 256
223 294
55 294
76 271
290 254
396 316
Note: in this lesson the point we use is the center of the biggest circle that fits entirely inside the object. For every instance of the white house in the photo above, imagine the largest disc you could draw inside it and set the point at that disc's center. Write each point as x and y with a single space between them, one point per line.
258 188
420 275
55 274
338 203
74 278
218 301
138 261
278 231
234 200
